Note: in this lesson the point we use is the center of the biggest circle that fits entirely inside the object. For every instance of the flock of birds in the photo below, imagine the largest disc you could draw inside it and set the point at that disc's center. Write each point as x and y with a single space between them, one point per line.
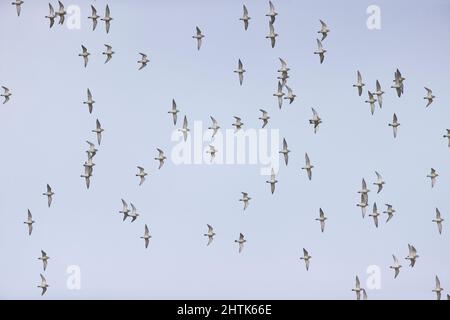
315 121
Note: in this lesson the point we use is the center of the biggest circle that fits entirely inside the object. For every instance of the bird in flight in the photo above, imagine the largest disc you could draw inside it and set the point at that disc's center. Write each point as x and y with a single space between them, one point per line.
389 211
265 118
359 83
321 219
125 209
272 13
323 30
18 4
240 71
398 83
29 222
61 13
245 18
241 242
363 203
199 36
44 257
448 137
210 234
412 255
109 52
215 126
358 290
49 194
430 97
94 17
144 60
185 128
433 176
395 124
272 35
375 214
85 54
316 120
285 151
90 102
279 94
141 174
379 92
174 111
212 151
6 94
98 130
379 183
146 236
438 220
308 166
290 95
238 124
396 266
52 15
371 101
245 198
133 214
272 181
306 257
320 51
161 157
92 150
107 19
438 289
364 189
43 285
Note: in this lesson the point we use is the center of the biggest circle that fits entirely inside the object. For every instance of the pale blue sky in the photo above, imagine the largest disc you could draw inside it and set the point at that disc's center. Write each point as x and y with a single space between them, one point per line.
44 127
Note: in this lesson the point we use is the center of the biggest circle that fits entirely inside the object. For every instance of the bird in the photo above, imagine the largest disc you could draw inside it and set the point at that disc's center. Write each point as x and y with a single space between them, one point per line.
245 198
380 182
89 164
18 4
438 220
98 130
323 30
320 51
398 83
359 83
161 157
308 167
283 77
290 96
92 150
125 209
6 94
285 151
107 19
272 35
272 181
358 290
212 151
85 55
51 16
141 174
245 18
29 222
109 52
61 13
272 13
279 94
241 242
215 126
389 211
49 194
321 219
430 97
396 266
144 60
199 36
284 68
433 176
87 175
133 214
306 257
44 259
174 111
379 92
438 289
185 128
372 101
238 124
412 255
90 102
210 234
43 285
364 189
363 203
94 16
146 236
375 214
448 136
316 120
240 71
265 118
395 124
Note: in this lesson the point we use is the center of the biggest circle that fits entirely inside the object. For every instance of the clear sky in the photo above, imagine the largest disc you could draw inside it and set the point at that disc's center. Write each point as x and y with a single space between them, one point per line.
44 126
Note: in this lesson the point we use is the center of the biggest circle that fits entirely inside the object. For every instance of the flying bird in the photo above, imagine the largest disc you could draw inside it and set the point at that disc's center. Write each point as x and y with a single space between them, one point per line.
316 120
240 71
6 94
98 130
109 52
398 83
245 18
279 94
363 203
94 16
87 175
107 19
430 97
396 266
29 222
185 128
174 111
141 174
284 68
395 124
245 198
389 211
238 124
371 101
161 157
379 92
241 242
308 166
358 290
285 151
306 257
199 36
438 220
44 259
125 209
272 13
210 234
52 15
90 102
375 214
272 35
272 181
433 176
212 151
49 194
133 214
92 150
412 255
146 236
215 126
144 60
61 13
85 54
18 4
321 219
448 137
380 182
438 289
265 118
290 96
323 30
320 51
364 189
283 77
43 285
359 83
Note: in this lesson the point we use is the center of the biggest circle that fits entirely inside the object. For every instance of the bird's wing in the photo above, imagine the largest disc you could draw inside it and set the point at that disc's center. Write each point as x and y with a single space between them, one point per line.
185 123
108 13
61 6
146 230
241 236
378 86
319 45
245 11
210 228
359 77
308 162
